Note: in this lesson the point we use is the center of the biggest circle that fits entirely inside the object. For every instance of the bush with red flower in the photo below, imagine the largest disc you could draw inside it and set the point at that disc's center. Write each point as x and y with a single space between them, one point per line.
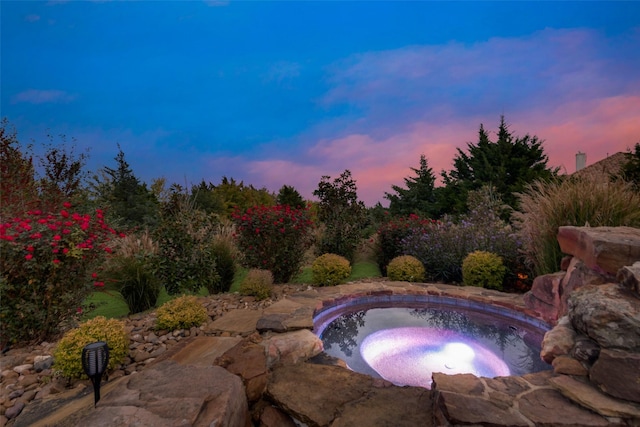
48 265
274 238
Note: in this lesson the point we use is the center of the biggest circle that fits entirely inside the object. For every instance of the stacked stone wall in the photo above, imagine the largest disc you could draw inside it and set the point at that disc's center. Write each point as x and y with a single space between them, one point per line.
594 302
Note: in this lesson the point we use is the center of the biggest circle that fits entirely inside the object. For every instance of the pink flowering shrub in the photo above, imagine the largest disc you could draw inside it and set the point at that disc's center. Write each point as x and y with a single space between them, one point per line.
48 265
274 238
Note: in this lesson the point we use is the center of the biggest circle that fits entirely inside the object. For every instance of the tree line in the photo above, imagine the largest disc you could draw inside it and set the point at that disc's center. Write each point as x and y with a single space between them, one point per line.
506 165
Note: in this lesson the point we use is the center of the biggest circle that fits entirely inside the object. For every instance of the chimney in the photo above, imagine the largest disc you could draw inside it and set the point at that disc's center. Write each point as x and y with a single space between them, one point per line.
581 160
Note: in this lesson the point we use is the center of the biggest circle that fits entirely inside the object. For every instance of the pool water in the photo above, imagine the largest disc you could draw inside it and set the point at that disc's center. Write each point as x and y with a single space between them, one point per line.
406 344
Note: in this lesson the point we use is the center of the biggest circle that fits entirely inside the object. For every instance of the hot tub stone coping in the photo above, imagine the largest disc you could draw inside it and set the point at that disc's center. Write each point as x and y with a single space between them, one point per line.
541 392
326 298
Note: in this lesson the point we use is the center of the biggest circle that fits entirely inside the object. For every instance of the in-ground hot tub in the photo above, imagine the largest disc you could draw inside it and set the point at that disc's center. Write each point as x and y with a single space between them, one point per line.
405 338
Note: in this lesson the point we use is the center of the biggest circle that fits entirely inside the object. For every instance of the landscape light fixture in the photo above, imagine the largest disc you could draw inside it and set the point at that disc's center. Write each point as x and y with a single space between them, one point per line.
95 358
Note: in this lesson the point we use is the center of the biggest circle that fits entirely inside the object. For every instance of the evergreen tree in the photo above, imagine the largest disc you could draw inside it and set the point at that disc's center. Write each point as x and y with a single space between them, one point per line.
129 201
631 169
419 197
289 196
508 165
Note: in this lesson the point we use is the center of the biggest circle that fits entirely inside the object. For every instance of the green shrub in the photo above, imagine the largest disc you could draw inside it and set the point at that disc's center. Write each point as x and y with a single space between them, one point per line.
133 271
274 238
406 268
68 353
223 252
187 257
443 246
577 201
330 269
483 269
181 313
49 265
257 283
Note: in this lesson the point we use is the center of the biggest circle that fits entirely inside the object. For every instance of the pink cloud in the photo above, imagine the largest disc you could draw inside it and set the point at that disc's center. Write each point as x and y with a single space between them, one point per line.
599 128
376 164
273 174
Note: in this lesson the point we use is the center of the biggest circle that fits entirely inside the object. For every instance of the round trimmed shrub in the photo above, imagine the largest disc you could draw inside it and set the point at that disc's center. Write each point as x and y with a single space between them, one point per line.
483 269
406 268
330 270
181 313
257 283
68 352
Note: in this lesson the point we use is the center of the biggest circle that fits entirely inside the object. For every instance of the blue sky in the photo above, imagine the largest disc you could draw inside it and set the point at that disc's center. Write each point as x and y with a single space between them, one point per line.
276 93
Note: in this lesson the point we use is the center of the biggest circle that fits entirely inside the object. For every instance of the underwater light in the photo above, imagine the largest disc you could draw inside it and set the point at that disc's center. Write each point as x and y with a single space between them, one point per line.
458 354
409 356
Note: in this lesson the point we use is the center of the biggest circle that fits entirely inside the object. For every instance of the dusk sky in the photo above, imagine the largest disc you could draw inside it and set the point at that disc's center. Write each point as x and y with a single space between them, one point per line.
275 93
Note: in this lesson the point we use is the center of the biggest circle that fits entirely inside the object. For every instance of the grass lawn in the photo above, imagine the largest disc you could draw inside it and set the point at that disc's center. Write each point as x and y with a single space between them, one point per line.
110 304
359 270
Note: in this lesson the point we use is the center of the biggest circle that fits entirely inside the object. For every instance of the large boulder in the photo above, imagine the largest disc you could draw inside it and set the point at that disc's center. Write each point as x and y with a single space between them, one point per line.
322 395
629 277
588 396
559 341
291 347
248 360
165 394
609 314
178 395
617 373
578 275
602 249
544 296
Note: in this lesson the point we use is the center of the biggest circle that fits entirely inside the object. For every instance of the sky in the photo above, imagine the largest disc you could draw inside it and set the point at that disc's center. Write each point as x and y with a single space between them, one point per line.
277 93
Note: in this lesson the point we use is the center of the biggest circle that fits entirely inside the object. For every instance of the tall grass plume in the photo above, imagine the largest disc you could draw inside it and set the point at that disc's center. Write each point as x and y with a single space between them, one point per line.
586 201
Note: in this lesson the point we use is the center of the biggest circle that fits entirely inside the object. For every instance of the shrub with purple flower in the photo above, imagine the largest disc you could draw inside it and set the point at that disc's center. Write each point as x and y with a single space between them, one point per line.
392 233
443 247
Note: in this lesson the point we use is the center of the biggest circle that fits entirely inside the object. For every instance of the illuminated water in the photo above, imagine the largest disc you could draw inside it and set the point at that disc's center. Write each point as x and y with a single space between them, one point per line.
404 341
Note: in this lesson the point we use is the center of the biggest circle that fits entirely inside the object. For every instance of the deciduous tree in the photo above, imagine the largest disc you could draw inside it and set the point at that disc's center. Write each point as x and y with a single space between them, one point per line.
342 214
18 190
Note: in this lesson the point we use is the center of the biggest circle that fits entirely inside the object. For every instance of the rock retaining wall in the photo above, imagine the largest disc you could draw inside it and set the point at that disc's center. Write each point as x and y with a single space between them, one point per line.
595 304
